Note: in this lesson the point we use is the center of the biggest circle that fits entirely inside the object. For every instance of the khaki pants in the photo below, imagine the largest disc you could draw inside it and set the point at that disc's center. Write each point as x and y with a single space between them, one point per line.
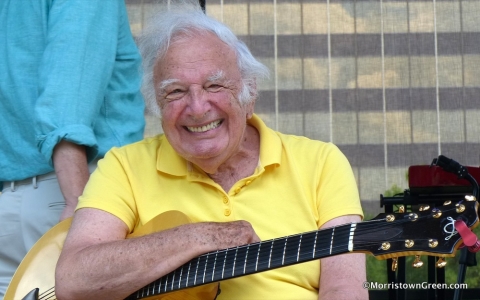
28 209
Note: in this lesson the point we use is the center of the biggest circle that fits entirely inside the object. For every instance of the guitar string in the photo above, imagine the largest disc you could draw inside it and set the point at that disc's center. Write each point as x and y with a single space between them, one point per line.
366 228
48 294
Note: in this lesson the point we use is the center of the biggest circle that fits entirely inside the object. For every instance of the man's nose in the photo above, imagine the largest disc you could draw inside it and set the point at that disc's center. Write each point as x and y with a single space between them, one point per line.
198 105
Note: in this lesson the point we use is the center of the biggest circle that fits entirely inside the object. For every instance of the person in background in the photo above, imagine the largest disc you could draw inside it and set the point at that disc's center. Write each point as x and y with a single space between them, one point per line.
69 91
217 162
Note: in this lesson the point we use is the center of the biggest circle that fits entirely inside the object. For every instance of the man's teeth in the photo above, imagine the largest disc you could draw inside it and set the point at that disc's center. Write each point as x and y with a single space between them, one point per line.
207 127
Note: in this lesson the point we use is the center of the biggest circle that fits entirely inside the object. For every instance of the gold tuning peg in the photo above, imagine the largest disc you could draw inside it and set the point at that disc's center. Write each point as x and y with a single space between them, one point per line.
394 264
441 262
424 208
417 263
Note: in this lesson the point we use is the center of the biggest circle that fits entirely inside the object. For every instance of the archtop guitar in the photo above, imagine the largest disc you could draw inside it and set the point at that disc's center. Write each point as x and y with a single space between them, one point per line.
425 232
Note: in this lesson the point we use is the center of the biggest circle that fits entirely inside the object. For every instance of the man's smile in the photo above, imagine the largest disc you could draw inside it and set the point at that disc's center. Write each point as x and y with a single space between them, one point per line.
205 128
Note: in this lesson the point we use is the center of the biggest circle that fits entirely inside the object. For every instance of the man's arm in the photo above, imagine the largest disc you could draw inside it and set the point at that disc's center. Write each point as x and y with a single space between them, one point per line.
342 276
97 262
70 163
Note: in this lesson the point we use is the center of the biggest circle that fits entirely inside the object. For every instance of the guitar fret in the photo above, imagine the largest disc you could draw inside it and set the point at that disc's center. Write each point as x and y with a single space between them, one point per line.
245 264
315 244
173 279
234 261
214 265
166 283
205 269
270 256
146 291
284 249
224 261
350 238
258 255
158 289
299 245
180 279
196 272
331 241
188 273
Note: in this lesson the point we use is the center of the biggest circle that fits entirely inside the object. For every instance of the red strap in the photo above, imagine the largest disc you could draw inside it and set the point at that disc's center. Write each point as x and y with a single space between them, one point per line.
469 238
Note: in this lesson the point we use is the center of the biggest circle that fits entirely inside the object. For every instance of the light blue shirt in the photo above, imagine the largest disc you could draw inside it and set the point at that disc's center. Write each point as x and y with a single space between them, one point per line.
69 69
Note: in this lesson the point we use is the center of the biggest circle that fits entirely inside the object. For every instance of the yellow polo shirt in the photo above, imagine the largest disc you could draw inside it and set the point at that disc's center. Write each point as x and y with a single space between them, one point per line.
298 185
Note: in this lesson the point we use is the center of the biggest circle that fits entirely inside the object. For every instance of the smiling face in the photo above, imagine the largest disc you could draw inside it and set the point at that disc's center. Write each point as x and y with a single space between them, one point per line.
197 84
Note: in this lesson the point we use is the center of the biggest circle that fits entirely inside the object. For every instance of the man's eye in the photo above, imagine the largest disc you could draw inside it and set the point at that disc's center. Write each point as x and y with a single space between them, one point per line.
214 87
174 94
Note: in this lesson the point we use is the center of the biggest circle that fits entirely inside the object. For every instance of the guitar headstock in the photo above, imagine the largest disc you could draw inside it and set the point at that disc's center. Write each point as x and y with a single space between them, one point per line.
428 231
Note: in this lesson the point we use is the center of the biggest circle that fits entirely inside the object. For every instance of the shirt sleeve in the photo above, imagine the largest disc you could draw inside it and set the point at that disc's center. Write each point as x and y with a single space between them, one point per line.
337 189
77 63
109 189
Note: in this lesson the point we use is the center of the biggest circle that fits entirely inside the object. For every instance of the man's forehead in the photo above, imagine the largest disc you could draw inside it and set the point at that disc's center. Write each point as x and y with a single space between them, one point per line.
200 43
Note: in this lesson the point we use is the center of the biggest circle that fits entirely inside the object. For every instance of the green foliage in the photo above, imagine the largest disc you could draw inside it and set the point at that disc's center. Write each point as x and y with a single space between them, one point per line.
394 190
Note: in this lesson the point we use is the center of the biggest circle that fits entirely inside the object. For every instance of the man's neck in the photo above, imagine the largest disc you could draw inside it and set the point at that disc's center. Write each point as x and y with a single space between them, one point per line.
240 165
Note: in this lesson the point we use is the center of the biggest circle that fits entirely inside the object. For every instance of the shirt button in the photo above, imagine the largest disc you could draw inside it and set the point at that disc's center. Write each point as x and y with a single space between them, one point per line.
225 199
248 182
237 190
227 212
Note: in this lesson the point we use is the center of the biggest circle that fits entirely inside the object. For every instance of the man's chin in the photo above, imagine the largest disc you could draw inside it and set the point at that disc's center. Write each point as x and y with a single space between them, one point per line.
203 154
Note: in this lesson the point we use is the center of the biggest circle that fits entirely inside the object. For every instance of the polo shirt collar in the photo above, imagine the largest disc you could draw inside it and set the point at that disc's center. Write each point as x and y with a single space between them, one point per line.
270 143
174 164
270 151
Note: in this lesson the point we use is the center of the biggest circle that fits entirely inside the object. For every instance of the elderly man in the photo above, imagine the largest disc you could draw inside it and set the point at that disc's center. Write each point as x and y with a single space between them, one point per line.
238 181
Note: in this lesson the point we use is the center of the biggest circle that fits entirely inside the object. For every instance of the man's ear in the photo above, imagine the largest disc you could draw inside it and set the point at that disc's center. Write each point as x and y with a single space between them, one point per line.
252 88
252 84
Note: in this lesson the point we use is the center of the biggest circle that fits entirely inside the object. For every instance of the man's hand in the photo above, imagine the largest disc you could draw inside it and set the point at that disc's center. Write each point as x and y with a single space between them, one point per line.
70 163
218 236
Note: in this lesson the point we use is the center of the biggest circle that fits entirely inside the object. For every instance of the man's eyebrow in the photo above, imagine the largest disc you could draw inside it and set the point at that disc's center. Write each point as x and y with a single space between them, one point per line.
217 76
162 85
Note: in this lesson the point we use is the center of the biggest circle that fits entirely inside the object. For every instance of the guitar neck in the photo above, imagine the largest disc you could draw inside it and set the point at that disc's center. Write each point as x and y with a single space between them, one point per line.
253 258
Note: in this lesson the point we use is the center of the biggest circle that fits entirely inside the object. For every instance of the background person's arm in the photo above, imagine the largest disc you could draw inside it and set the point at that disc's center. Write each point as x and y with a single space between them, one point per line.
70 163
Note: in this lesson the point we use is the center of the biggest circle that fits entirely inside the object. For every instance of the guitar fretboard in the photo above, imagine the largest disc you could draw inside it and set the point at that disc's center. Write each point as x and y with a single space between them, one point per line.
253 258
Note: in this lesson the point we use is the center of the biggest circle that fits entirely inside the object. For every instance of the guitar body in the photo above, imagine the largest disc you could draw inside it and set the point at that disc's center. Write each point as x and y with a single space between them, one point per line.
37 270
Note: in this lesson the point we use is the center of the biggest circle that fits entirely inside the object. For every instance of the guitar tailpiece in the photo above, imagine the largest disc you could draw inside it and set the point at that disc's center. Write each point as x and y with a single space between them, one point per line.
469 238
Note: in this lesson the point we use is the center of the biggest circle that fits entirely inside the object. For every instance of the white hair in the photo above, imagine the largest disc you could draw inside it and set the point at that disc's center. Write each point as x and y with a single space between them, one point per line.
187 18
